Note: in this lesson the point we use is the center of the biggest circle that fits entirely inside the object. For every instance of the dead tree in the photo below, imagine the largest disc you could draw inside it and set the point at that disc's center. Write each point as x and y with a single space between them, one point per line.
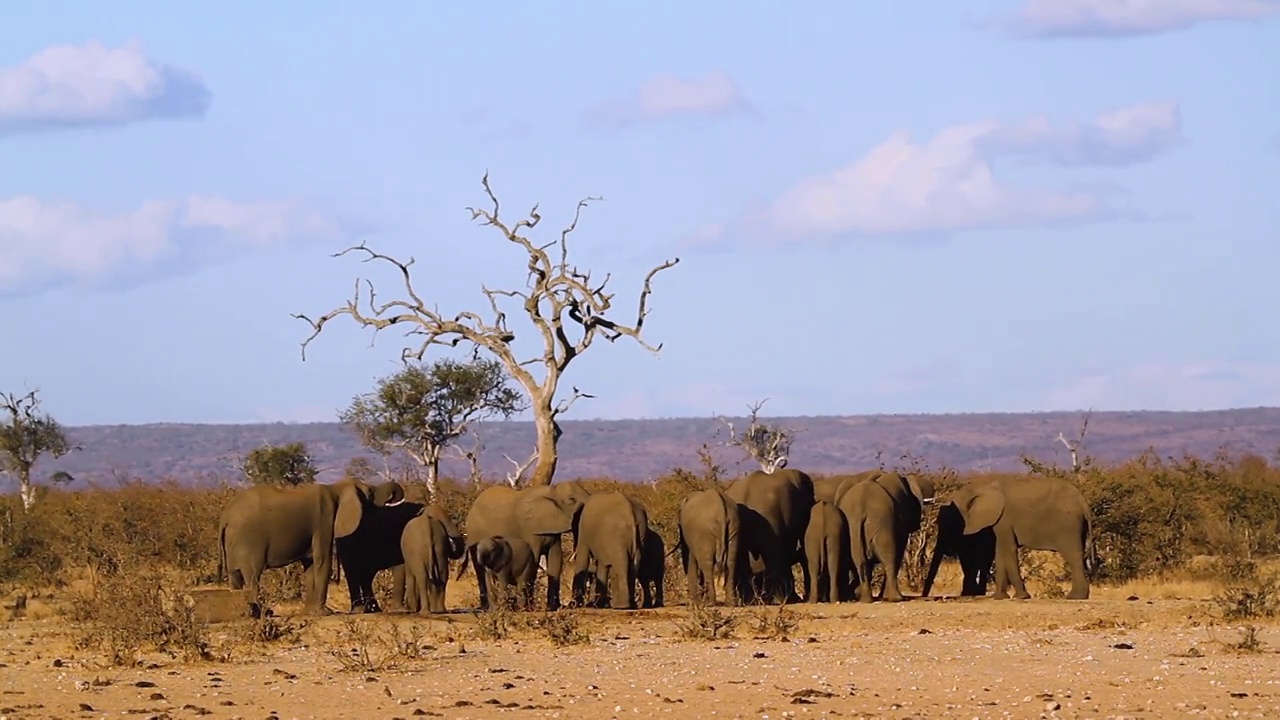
1074 446
472 456
515 476
768 445
25 435
564 305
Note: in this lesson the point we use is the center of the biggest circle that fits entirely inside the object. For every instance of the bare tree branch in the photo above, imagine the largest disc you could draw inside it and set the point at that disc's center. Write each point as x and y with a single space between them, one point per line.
514 477
472 456
1073 446
566 307
768 445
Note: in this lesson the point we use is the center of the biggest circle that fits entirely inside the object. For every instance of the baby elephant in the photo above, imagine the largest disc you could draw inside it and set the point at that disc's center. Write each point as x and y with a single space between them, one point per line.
826 547
425 546
506 562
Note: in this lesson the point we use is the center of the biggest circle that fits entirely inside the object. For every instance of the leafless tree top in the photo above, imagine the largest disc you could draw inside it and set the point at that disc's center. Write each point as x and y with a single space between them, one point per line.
768 445
558 296
1074 446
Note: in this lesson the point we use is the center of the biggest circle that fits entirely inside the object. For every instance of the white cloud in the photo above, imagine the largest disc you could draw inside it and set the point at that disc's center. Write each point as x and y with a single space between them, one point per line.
1200 386
1061 18
668 96
43 243
948 183
91 84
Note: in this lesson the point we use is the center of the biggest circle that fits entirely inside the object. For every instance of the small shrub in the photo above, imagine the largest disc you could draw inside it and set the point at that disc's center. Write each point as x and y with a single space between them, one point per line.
564 627
776 624
125 614
496 623
707 622
372 647
1248 595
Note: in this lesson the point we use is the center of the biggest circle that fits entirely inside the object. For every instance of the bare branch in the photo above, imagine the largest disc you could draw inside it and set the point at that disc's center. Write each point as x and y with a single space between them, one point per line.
514 477
564 405
1073 446
564 305
768 445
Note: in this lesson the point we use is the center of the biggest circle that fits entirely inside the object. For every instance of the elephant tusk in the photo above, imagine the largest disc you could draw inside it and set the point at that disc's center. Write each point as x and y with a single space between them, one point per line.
393 504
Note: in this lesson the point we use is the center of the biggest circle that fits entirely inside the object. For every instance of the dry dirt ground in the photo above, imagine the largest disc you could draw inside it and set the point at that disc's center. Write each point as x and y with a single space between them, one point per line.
1138 652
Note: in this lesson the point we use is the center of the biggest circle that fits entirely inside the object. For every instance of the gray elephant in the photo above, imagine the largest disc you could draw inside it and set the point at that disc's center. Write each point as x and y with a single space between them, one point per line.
376 546
774 517
610 538
427 547
710 545
826 488
976 552
270 527
538 516
1035 513
882 513
826 547
507 564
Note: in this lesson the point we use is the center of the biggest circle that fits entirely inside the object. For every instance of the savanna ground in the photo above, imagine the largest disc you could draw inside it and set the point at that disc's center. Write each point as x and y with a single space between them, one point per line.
1182 621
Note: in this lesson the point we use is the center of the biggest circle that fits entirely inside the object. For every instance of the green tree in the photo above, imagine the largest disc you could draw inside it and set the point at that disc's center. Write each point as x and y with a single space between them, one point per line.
283 465
26 434
567 308
421 408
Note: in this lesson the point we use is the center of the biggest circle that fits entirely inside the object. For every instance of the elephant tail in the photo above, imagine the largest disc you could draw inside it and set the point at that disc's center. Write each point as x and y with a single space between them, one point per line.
858 551
466 559
439 570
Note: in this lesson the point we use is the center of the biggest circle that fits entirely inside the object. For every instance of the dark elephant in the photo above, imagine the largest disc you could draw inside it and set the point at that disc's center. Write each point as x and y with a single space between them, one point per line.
506 564
538 516
609 541
975 552
376 546
882 513
270 527
710 545
774 516
826 548
1036 513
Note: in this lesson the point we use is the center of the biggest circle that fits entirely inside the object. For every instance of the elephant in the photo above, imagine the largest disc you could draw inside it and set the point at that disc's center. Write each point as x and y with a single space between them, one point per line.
506 563
539 516
376 546
976 552
270 527
710 545
426 546
610 537
774 517
882 513
826 548
653 569
825 488
1035 513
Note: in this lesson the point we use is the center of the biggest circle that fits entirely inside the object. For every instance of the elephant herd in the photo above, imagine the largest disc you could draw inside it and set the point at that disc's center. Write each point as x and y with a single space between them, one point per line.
739 543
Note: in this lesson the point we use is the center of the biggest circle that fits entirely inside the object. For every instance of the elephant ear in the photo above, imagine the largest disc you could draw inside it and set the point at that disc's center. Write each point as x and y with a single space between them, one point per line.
350 509
923 488
543 516
501 555
982 510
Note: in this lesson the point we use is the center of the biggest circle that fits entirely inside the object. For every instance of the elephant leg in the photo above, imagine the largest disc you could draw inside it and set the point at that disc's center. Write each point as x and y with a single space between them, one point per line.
658 582
805 572
482 577
833 576
578 576
555 560
619 585
1074 558
813 576
435 596
891 560
319 566
692 581
1007 567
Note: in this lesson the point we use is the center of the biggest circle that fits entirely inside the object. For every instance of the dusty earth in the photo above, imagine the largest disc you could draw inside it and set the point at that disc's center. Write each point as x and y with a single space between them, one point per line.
1127 652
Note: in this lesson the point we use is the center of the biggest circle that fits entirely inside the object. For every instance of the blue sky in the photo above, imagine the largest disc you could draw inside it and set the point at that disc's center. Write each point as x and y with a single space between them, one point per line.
878 207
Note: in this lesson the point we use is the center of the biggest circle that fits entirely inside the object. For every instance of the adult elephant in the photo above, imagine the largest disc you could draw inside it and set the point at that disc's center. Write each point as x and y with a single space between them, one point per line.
1035 513
376 546
270 527
709 544
774 516
538 516
975 552
825 488
882 512
608 548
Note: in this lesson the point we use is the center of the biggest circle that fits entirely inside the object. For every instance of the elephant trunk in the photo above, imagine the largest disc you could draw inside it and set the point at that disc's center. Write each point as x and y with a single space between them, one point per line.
934 562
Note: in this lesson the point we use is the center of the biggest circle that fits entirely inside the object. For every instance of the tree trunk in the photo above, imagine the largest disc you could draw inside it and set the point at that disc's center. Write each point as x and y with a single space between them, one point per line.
548 436
433 474
26 490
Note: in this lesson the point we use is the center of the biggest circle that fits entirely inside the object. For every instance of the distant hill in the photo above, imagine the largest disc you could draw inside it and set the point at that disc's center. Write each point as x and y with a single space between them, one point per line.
642 449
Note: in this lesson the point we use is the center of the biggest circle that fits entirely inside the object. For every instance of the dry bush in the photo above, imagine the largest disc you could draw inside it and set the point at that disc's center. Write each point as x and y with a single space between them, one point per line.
126 614
371 646
564 627
777 623
706 622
